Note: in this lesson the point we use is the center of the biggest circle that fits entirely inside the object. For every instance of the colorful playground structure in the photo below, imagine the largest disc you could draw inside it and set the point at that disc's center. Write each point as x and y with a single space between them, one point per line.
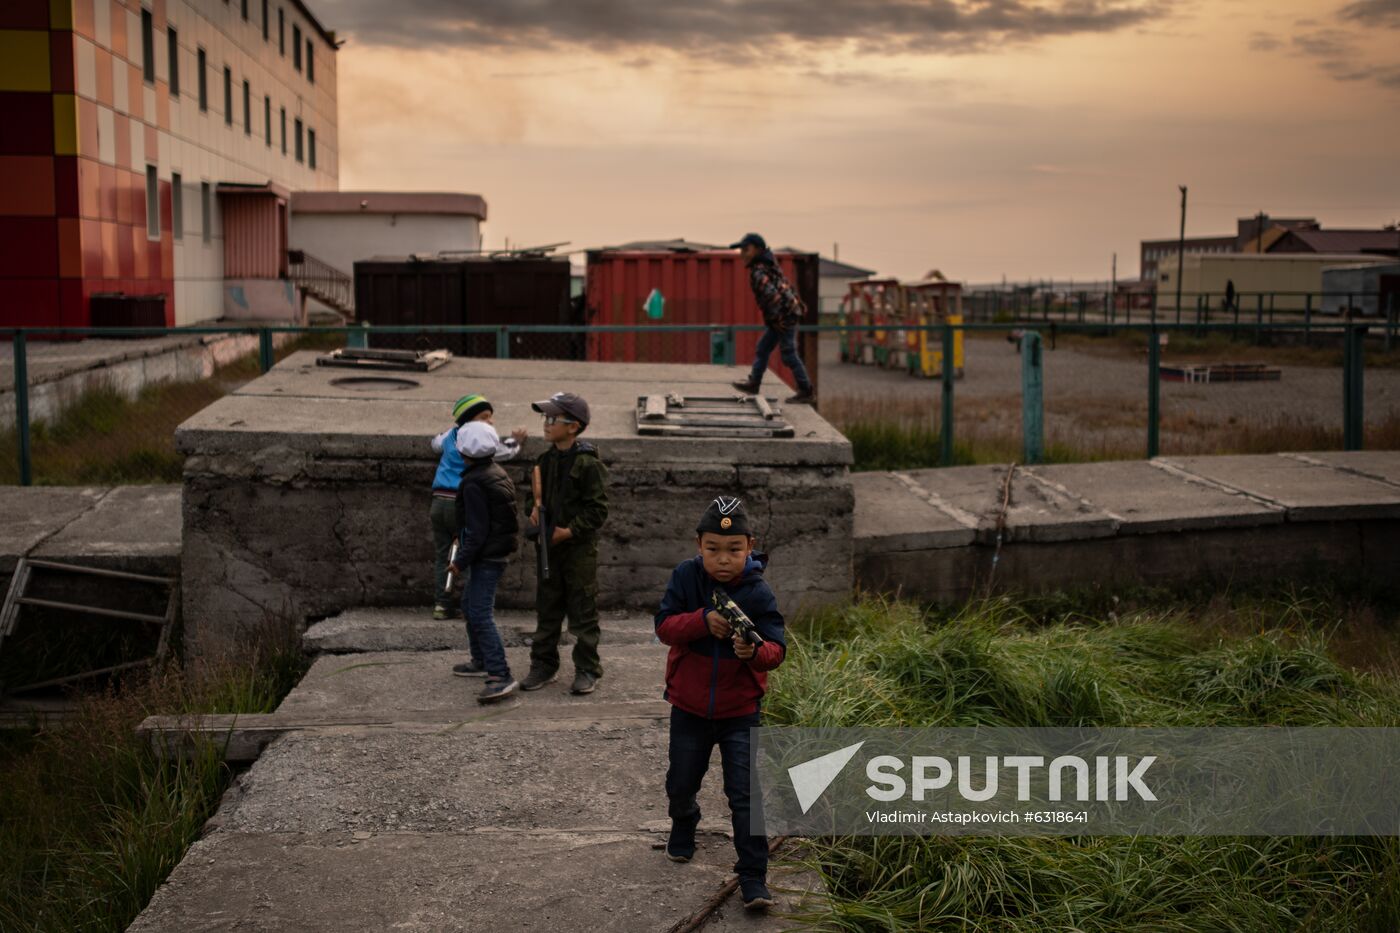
891 314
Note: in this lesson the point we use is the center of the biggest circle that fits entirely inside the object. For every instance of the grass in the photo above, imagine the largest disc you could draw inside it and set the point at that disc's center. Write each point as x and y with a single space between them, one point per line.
91 819
103 437
889 432
1227 660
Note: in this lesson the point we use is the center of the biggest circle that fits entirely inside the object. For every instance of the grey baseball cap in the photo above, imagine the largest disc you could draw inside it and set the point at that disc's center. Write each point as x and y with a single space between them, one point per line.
564 403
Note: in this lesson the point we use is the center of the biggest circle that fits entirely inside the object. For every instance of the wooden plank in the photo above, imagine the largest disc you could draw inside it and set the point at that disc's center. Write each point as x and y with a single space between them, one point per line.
654 408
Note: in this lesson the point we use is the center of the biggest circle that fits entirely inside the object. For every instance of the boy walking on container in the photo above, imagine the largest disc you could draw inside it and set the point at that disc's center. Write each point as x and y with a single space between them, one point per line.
572 489
443 514
782 310
715 681
486 516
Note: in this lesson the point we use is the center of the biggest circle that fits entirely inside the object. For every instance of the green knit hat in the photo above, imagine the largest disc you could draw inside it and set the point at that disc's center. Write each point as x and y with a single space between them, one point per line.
468 407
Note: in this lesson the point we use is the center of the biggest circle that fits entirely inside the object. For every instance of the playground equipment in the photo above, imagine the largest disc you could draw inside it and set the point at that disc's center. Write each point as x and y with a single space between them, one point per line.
893 315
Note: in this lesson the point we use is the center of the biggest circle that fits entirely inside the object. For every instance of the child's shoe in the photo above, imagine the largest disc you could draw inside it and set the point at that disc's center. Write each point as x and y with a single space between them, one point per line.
538 677
754 894
441 613
584 682
680 846
496 690
469 669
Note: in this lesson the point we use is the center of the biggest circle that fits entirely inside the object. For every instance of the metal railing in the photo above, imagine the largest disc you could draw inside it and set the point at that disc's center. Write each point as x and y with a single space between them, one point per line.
322 281
1351 335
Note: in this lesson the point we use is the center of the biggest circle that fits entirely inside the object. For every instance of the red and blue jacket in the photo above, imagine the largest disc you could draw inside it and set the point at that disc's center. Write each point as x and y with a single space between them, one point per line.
703 675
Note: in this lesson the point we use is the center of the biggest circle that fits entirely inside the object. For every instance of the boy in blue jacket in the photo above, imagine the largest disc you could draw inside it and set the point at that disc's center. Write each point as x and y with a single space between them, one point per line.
715 681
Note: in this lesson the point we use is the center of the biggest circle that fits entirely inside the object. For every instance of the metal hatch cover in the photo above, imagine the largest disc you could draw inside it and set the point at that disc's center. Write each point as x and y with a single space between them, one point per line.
421 361
675 415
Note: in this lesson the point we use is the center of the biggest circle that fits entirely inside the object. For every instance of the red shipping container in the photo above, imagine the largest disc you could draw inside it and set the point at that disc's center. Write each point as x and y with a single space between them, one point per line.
709 287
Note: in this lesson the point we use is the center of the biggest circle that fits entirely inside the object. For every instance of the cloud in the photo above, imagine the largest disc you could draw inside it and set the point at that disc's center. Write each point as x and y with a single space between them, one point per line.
729 29
1333 44
1264 42
1338 52
1373 12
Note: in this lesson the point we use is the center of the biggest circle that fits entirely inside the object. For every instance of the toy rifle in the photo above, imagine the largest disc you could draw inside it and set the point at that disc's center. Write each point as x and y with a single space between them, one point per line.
738 620
543 531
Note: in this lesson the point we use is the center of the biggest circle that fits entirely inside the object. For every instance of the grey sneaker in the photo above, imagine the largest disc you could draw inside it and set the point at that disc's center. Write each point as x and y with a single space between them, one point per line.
496 690
584 682
537 678
468 669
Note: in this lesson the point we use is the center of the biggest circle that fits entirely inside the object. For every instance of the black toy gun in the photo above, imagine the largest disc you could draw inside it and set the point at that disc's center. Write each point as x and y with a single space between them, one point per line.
738 620
543 531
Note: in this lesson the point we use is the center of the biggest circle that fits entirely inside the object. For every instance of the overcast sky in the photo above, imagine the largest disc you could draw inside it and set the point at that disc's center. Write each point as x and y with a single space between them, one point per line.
980 137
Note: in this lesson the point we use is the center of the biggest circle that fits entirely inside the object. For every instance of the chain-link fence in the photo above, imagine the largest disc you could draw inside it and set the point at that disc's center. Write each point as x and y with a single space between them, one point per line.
103 410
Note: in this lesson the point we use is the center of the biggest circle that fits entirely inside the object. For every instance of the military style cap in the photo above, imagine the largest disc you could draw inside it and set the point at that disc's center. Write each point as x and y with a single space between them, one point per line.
725 516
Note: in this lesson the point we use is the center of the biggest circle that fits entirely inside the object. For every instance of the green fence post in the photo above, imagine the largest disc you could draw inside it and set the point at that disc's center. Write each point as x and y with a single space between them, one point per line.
1032 399
358 338
1154 359
1307 320
265 356
1259 319
945 430
1353 367
503 343
22 408
1389 320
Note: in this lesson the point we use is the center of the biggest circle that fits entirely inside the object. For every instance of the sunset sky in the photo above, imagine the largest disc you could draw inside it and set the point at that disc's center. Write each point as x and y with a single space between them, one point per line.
979 137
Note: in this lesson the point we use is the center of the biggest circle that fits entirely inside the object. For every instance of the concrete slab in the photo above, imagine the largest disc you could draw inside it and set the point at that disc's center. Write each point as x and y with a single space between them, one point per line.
30 515
1038 510
130 524
891 515
1383 465
1148 500
1309 491
336 882
394 629
397 681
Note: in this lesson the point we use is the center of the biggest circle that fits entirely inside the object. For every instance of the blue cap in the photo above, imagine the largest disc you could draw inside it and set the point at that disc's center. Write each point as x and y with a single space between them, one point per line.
750 239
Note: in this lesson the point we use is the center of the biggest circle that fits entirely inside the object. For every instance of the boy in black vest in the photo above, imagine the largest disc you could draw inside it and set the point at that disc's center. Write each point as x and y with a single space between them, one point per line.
486 517
715 681
573 483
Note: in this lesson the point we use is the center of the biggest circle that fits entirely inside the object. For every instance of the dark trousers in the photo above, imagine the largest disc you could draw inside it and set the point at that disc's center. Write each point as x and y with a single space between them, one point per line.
693 738
479 606
443 516
572 591
786 340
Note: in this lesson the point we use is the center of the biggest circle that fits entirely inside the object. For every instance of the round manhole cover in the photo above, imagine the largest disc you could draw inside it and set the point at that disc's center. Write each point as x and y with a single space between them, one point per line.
375 383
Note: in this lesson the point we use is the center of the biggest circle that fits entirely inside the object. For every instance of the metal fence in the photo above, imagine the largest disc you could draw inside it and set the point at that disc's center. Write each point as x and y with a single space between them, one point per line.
267 344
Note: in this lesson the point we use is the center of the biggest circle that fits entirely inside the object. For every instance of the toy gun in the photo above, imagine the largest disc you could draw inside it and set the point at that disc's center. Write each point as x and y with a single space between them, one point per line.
739 621
451 559
543 531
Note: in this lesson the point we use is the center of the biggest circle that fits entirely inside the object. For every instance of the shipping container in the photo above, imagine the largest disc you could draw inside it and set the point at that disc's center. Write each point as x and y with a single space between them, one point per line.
448 290
1365 290
708 287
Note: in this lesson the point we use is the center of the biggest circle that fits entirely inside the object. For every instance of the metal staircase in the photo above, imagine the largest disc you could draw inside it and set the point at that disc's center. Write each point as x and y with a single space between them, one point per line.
322 281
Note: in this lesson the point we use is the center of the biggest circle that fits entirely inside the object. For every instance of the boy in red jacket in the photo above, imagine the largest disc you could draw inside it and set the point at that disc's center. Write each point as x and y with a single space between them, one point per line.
715 680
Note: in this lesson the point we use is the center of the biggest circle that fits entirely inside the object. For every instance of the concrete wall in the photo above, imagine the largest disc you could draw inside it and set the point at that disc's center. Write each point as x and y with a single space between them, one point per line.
1251 273
263 300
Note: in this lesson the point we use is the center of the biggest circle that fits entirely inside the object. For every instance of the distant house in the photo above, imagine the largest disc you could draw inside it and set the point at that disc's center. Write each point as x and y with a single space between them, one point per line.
1264 234
1365 242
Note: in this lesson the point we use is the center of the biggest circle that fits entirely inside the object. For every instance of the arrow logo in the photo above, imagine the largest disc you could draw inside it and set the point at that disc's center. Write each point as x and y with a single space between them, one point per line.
811 778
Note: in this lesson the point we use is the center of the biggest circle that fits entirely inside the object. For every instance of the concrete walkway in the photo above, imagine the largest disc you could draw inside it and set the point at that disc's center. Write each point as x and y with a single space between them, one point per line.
397 802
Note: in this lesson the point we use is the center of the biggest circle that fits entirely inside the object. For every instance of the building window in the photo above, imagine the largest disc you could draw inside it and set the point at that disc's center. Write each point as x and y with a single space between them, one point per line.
206 211
311 148
310 62
173 43
247 110
177 206
267 120
152 203
228 95
202 64
296 46
267 27
281 33
300 151
284 130
148 47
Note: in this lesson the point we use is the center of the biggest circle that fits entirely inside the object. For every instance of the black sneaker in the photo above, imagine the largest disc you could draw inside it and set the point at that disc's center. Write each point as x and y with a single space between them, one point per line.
680 847
537 678
496 690
803 397
754 893
584 682
468 669
748 388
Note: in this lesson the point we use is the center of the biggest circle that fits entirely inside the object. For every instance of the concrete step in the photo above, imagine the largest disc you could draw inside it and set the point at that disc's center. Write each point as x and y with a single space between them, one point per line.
413 629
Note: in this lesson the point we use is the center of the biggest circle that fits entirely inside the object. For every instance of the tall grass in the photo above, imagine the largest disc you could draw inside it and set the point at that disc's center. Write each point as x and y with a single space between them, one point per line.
91 819
1007 663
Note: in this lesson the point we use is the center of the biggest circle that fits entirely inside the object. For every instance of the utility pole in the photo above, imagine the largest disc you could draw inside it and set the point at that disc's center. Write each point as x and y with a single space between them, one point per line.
1113 290
1180 252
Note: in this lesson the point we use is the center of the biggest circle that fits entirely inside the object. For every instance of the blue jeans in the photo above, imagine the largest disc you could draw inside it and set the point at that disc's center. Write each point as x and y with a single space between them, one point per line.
693 738
479 606
786 340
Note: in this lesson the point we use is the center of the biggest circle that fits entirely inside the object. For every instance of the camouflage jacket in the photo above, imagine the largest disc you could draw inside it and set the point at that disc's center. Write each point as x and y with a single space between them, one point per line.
776 297
575 490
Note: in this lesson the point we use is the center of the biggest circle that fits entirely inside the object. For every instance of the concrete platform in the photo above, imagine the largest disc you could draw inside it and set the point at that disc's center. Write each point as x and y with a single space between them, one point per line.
1169 521
407 629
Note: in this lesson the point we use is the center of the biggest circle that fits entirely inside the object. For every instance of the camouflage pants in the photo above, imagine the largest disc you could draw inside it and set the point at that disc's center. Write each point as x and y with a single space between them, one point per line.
572 591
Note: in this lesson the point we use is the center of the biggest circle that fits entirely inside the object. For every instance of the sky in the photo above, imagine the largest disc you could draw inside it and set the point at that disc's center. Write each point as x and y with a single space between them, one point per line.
1030 139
